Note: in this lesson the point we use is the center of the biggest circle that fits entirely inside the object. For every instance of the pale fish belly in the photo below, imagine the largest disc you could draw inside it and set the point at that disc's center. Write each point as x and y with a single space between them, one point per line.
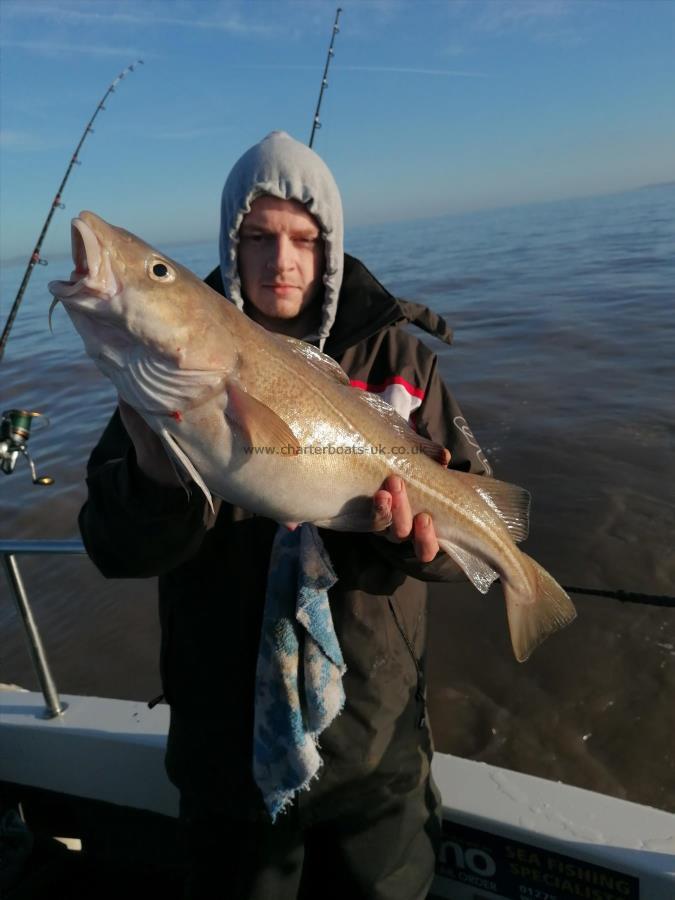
315 485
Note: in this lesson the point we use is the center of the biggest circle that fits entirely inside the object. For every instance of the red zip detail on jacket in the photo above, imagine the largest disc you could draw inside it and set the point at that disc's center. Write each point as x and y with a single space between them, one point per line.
393 379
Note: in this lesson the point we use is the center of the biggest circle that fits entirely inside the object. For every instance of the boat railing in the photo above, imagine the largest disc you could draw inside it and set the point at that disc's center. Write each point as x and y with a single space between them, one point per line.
9 551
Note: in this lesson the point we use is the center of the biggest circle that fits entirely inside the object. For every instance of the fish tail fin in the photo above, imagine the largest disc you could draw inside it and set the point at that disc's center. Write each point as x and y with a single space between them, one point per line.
532 619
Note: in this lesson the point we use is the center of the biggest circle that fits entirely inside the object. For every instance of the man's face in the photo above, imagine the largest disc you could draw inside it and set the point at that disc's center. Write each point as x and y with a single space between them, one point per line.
281 263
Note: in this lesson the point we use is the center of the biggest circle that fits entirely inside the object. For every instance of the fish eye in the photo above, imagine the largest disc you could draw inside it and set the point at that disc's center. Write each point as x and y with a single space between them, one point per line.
159 271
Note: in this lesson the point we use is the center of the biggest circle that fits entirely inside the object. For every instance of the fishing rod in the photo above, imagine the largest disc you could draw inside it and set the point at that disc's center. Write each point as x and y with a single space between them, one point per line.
624 596
316 123
36 259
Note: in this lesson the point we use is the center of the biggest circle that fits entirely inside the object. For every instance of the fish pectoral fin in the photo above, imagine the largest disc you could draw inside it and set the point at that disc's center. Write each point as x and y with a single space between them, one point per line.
358 514
312 355
260 425
510 502
479 573
178 453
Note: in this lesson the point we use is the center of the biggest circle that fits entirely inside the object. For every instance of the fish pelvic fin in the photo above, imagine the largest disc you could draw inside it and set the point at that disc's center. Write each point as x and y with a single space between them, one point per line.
534 618
177 452
479 573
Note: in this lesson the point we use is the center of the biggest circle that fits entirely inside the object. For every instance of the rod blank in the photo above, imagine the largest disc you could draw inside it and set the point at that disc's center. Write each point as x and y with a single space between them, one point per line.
35 255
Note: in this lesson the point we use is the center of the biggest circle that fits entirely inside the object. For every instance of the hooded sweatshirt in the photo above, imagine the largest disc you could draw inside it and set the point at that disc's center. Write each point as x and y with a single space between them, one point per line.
282 167
213 568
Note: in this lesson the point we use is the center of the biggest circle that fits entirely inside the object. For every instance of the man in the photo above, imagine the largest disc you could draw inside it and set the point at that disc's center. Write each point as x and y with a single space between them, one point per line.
368 826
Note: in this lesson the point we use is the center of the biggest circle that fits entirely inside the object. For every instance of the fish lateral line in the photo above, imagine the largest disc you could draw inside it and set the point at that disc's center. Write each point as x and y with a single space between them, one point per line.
208 380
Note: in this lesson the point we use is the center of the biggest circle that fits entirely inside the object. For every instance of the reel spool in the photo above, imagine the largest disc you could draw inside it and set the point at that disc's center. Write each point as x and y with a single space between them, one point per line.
15 428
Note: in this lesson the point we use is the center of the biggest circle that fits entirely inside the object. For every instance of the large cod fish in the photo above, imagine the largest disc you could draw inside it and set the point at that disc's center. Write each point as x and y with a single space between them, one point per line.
271 424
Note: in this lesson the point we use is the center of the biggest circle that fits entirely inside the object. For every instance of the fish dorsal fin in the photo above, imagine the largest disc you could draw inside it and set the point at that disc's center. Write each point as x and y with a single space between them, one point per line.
403 430
261 426
310 354
479 573
178 453
510 502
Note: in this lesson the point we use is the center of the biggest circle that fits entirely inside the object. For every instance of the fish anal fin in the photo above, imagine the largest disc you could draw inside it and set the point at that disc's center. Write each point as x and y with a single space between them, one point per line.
510 502
260 425
177 452
532 619
479 573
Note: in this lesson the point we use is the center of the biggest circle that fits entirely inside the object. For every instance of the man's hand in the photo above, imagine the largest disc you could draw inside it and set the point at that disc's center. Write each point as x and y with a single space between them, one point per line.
151 456
392 500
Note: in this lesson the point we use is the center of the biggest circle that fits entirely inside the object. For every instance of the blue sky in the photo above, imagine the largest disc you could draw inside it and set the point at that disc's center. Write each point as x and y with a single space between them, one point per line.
432 107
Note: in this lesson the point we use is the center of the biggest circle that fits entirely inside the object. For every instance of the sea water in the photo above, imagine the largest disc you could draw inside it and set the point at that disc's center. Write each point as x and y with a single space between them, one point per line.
563 363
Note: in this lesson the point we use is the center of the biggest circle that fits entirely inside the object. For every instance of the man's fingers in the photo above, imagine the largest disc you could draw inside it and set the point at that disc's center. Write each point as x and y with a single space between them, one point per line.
392 499
401 514
424 538
381 510
445 461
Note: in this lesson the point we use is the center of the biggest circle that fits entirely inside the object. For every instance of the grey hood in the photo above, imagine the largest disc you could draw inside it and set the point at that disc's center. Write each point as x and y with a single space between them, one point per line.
284 168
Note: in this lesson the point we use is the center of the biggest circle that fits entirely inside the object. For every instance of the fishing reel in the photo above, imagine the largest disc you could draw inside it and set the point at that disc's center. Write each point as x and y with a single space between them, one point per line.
15 426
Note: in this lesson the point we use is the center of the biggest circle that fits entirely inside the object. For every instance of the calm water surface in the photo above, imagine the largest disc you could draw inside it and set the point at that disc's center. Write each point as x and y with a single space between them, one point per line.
564 320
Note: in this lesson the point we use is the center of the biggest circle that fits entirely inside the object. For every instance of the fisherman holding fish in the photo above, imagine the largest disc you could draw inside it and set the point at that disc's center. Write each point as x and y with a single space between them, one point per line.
294 614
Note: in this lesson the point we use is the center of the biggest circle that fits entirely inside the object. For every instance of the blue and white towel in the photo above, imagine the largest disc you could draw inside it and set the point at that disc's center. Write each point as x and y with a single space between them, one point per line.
300 667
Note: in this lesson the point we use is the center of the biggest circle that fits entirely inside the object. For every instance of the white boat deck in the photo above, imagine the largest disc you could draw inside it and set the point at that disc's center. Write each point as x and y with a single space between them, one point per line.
506 835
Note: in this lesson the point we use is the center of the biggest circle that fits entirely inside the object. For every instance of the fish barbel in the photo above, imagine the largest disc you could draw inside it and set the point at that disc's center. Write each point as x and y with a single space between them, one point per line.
271 424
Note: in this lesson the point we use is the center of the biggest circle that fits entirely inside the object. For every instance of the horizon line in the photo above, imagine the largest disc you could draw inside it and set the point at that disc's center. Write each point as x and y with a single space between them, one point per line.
18 258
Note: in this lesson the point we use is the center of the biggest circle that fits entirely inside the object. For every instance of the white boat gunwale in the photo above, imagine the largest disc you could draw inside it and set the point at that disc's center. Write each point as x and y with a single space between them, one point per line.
112 751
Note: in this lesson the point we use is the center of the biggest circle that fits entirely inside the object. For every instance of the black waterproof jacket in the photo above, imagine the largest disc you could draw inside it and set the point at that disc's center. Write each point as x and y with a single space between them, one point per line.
212 576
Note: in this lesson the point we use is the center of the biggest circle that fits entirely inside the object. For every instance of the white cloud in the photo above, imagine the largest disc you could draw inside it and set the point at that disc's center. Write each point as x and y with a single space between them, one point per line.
502 15
403 70
544 21
187 134
55 50
458 73
11 138
19 140
454 49
139 15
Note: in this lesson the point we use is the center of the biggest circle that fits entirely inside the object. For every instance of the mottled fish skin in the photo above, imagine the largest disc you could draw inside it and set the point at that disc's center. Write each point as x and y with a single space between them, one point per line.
272 425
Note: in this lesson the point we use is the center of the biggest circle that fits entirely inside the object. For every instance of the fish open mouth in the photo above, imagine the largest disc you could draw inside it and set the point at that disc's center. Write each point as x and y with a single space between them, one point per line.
92 275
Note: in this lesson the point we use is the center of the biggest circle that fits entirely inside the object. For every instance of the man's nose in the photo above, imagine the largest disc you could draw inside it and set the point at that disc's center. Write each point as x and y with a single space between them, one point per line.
281 253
